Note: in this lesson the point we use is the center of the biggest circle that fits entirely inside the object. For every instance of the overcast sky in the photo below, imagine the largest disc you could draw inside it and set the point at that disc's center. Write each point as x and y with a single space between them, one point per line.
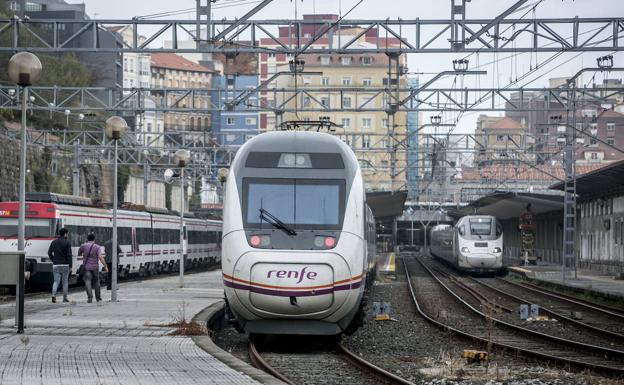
565 65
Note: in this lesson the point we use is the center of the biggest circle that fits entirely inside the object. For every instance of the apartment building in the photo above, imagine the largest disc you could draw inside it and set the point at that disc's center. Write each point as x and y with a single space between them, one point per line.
173 71
366 130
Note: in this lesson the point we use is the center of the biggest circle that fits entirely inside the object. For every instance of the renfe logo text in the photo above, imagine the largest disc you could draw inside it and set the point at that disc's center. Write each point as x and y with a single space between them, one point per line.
300 275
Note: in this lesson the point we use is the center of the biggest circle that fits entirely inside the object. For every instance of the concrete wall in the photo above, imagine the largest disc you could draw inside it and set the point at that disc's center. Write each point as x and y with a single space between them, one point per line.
155 193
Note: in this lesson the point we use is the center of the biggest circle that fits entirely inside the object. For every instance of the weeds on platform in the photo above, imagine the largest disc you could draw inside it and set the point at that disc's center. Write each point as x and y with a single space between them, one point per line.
183 328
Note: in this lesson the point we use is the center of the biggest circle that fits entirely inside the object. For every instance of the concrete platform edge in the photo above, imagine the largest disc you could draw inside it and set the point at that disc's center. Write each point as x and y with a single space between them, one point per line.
208 317
530 276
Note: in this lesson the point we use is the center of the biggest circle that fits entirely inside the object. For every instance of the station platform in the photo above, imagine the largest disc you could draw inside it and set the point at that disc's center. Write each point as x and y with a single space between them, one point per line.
128 342
586 281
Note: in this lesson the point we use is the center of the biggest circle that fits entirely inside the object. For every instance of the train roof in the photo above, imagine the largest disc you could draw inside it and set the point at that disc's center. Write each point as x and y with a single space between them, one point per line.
298 142
47 197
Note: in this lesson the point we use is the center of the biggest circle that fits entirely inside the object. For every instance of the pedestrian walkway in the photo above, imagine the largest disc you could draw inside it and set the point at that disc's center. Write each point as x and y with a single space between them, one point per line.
586 280
127 342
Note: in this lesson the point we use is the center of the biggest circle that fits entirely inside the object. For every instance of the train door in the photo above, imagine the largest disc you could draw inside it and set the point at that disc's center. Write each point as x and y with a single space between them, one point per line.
134 246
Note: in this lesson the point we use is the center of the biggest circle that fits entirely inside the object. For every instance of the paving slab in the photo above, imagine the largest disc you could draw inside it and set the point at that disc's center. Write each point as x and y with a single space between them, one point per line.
126 342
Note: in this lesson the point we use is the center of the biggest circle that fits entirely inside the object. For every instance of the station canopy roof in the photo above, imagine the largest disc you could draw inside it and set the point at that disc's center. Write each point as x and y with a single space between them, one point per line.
603 181
508 205
385 204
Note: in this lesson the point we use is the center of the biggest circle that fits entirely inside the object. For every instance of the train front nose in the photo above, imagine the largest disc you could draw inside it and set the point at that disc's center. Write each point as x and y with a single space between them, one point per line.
293 283
483 261
292 289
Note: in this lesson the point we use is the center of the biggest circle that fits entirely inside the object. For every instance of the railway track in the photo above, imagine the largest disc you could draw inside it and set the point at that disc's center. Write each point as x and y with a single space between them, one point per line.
595 320
590 304
319 365
441 308
491 299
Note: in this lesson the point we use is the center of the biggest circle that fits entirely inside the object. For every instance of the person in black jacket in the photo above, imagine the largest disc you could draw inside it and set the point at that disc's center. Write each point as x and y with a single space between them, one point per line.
108 257
61 256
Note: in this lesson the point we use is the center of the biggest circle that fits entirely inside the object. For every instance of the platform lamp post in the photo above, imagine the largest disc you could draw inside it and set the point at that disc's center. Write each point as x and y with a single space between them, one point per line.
181 159
24 69
115 128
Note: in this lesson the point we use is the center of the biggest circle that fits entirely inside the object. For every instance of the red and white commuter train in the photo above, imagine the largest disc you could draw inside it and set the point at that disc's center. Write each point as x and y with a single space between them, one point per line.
150 242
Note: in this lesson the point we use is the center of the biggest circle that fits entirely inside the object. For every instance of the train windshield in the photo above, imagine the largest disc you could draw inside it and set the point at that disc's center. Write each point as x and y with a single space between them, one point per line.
298 203
35 228
481 226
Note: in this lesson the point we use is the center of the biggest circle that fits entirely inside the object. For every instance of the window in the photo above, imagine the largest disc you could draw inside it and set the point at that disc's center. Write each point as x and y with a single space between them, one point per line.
271 54
346 102
384 123
611 141
611 127
306 80
367 82
366 141
149 127
300 203
272 68
345 61
325 60
250 121
384 142
500 138
480 226
384 164
367 60
346 81
367 123
346 123
324 81
325 101
230 121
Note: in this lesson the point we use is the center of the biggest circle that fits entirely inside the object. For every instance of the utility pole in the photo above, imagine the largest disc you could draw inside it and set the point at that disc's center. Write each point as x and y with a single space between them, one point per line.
76 170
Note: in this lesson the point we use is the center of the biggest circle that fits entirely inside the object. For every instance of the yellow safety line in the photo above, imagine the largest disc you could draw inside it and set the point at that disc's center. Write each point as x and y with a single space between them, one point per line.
390 264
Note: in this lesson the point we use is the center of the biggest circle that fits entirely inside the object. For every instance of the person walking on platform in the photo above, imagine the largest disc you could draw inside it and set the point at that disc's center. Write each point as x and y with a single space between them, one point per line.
92 254
60 254
108 257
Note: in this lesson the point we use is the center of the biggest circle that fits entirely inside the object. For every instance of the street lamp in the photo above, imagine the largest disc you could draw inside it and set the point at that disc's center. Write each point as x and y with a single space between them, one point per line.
181 159
24 69
114 129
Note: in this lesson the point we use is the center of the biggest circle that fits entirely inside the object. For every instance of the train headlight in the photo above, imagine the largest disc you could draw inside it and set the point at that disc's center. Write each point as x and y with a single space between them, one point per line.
260 241
465 250
325 242
498 250
254 240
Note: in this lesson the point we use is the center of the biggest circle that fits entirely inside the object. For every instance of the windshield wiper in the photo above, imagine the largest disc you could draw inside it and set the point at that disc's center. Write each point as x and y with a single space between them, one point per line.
272 219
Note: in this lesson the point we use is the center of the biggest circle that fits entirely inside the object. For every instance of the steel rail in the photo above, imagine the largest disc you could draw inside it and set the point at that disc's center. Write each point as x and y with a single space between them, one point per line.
373 368
261 364
551 312
611 311
532 353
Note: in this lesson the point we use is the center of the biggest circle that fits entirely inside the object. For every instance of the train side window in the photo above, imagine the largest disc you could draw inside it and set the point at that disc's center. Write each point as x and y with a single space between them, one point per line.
499 229
461 230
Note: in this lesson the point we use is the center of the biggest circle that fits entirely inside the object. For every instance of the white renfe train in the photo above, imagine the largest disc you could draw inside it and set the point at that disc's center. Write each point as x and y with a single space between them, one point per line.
150 242
474 244
298 237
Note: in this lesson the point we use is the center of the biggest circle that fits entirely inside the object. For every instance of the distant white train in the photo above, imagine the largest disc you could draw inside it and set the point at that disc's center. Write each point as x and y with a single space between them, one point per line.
298 237
474 244
150 242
